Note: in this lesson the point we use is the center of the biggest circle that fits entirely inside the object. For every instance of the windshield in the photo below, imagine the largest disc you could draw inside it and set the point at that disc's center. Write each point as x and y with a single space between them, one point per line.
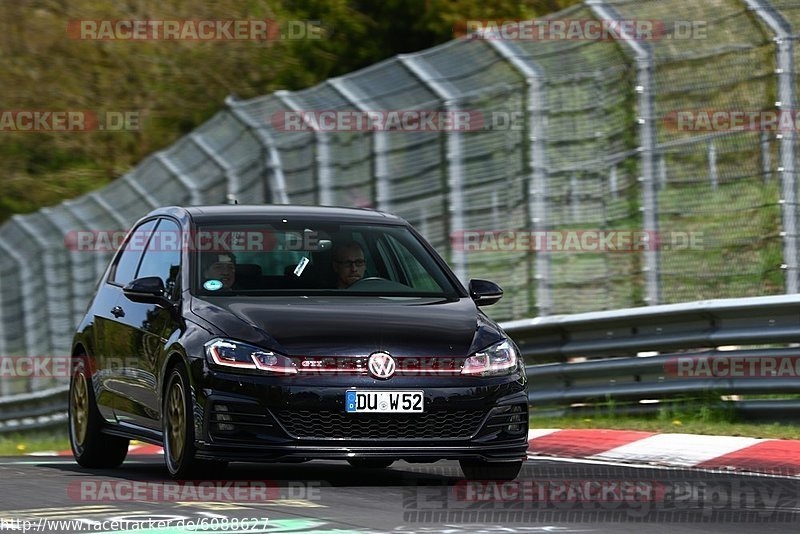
348 259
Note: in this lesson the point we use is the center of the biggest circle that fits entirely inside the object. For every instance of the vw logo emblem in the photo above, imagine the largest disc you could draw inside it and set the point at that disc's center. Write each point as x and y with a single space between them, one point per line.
381 365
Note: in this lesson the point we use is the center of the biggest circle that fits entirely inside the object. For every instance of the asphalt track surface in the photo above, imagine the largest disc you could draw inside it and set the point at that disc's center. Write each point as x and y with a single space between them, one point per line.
44 494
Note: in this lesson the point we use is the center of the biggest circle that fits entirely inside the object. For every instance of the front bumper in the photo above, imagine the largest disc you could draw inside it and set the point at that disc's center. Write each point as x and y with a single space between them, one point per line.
261 418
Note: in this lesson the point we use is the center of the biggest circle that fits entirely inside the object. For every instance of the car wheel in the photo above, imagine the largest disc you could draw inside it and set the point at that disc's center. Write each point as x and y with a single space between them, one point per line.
479 470
178 426
90 447
370 463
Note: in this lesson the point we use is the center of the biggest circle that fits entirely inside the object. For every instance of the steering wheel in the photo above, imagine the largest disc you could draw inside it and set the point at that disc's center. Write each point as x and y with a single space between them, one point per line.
369 278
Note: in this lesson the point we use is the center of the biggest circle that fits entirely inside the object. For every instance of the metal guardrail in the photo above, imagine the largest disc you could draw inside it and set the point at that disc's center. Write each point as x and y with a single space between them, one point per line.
33 411
626 359
608 344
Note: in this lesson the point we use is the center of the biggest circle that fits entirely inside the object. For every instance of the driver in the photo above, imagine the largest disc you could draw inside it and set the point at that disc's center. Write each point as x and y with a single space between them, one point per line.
348 264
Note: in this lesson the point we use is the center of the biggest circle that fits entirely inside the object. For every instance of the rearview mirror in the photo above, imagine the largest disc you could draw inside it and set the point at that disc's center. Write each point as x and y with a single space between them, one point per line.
484 292
146 289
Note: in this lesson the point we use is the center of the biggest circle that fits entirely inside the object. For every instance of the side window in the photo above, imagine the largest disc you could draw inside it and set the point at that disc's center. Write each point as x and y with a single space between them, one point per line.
163 255
128 261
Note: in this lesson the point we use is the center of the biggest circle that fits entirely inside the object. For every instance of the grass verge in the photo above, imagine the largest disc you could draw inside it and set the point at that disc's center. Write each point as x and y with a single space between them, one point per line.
17 444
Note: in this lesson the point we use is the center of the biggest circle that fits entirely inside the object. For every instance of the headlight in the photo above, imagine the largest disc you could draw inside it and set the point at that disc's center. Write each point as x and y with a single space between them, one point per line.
227 353
499 359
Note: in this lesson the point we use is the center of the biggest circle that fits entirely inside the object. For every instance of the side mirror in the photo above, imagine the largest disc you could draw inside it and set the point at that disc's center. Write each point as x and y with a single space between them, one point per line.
146 289
484 292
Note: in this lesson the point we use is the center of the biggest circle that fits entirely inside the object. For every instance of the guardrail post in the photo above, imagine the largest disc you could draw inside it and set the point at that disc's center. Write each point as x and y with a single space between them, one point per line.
382 190
784 39
277 181
537 162
322 149
645 87
455 158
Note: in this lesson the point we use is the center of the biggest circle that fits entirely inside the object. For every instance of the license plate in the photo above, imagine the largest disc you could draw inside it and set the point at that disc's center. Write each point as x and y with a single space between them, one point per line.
383 401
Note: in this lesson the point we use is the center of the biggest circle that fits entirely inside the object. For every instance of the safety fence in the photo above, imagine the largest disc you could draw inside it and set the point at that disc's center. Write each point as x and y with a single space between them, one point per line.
575 135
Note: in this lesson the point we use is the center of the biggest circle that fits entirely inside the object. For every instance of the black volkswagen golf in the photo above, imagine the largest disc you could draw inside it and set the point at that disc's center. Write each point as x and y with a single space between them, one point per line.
281 333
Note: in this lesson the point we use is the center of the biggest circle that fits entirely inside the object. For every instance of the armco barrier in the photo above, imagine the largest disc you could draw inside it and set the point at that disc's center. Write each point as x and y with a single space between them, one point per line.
625 359
609 345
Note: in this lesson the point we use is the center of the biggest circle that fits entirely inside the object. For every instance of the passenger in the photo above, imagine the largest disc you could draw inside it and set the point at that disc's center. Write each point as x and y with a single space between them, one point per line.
220 266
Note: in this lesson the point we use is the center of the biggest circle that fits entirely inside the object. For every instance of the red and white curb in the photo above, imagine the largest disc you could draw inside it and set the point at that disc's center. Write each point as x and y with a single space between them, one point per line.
773 456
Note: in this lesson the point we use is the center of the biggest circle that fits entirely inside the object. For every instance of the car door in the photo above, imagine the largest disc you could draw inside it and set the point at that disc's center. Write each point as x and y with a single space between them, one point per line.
107 315
145 328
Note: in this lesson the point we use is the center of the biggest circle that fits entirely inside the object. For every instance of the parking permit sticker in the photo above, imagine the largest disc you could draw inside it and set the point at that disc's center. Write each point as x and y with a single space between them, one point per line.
213 285
301 266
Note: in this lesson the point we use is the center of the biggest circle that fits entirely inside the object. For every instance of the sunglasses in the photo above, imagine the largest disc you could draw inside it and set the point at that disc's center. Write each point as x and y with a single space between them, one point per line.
353 263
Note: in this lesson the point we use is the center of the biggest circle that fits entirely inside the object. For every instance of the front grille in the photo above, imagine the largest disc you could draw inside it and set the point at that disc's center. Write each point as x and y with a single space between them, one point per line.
307 424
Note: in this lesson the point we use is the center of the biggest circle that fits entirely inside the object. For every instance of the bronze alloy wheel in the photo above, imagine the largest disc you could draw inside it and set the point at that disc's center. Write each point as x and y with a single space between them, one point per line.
79 414
176 422
90 445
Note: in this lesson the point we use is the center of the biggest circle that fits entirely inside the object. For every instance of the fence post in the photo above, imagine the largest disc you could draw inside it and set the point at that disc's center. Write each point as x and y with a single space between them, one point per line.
382 186
455 158
712 164
765 158
232 179
99 261
141 191
28 288
47 270
4 384
784 38
322 150
613 182
195 197
645 87
277 185
537 162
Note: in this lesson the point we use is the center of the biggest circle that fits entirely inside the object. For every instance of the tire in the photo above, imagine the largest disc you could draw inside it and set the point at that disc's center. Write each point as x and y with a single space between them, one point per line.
90 447
479 470
178 427
370 463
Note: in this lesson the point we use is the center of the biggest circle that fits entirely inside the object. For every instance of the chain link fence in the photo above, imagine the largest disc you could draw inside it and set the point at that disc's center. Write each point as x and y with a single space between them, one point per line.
576 134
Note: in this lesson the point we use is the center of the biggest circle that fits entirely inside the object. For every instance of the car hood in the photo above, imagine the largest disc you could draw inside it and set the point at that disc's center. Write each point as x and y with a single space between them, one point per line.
341 326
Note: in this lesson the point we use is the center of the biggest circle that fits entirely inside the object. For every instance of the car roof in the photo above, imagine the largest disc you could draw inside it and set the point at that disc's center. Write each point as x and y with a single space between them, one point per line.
246 213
